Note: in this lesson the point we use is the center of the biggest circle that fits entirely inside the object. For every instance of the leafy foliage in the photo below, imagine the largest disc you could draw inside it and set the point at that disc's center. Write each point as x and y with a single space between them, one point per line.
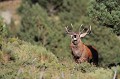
3 28
35 27
3 32
106 43
106 13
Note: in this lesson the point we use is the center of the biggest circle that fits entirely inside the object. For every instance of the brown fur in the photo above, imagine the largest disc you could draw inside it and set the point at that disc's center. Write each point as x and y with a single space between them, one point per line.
81 52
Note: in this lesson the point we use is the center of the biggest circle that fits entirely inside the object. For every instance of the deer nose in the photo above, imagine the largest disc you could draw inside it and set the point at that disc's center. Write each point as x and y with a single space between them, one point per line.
75 36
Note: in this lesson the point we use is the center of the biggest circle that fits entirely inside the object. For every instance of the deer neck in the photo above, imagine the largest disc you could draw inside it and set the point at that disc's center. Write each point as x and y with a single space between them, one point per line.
78 49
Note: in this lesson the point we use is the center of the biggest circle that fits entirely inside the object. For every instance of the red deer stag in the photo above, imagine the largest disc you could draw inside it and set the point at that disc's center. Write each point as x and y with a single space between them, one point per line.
80 51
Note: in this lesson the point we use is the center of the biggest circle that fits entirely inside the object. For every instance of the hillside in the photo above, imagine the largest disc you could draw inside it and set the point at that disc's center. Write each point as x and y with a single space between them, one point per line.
35 45
19 59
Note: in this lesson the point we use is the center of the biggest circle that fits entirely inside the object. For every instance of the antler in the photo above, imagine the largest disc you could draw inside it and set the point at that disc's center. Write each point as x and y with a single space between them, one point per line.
87 32
80 28
66 28
71 25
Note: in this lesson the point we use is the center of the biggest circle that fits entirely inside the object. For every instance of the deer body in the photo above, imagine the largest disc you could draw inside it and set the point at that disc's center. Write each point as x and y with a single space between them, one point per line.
81 52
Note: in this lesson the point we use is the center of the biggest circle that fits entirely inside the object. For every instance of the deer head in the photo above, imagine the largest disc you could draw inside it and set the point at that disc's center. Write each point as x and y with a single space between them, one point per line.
76 36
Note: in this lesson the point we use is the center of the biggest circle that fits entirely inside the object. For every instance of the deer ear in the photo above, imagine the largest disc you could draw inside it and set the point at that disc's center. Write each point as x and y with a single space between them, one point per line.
83 35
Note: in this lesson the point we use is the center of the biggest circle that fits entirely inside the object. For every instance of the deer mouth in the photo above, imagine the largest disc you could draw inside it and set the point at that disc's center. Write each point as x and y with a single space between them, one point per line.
75 42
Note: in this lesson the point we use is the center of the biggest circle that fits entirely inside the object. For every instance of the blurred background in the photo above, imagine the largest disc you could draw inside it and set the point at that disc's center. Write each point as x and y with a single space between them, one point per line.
39 26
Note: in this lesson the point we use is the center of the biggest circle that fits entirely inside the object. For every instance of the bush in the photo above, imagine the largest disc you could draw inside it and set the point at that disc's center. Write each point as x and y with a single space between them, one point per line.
3 28
106 13
106 43
20 51
17 54
34 24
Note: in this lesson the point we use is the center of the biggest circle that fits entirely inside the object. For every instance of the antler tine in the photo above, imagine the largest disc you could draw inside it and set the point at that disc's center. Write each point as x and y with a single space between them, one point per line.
66 28
80 28
85 33
88 30
90 27
72 25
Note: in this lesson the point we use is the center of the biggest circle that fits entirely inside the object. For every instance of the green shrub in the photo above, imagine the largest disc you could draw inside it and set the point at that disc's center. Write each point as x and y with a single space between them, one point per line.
16 54
106 13
3 28
25 52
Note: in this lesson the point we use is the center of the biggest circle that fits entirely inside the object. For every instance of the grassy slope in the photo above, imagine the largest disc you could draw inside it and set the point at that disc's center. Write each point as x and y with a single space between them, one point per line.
17 55
20 59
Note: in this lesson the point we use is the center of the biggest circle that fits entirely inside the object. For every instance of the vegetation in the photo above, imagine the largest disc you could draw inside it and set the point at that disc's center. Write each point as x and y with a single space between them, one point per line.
38 22
19 59
39 48
106 13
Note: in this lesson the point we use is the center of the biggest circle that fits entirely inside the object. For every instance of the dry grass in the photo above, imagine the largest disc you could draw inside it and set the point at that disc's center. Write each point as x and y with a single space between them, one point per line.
11 6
